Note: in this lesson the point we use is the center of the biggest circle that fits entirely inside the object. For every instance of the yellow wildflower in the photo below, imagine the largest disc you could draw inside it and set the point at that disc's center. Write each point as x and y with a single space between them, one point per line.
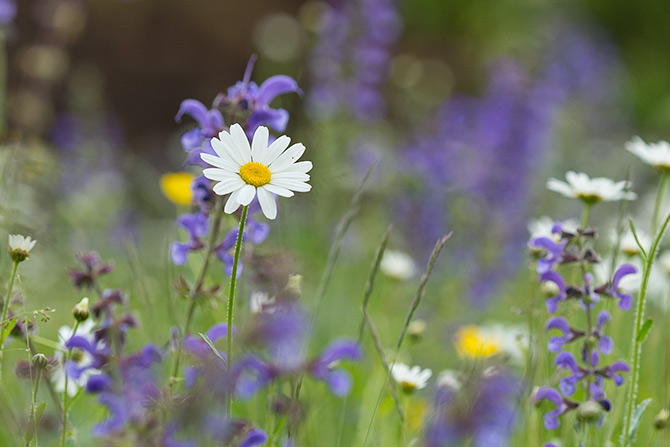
473 343
176 186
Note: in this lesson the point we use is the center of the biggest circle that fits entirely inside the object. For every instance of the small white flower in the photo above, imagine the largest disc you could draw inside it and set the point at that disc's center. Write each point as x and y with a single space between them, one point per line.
542 227
450 379
19 247
397 265
261 302
655 154
410 379
244 170
82 358
591 190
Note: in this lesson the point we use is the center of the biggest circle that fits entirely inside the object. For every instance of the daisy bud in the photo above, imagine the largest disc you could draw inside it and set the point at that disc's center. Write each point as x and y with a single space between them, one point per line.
81 310
40 361
661 420
294 284
589 411
416 330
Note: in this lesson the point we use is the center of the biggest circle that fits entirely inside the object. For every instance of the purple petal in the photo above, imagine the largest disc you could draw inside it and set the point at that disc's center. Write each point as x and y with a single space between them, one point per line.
605 344
603 317
218 331
555 344
556 278
622 271
567 385
339 382
549 394
255 437
625 301
273 87
551 420
118 415
341 349
567 361
559 323
179 252
195 109
99 383
276 119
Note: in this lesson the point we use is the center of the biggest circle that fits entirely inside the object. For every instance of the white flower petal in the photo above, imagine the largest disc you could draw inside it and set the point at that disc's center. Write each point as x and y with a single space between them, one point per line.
275 149
274 189
232 204
301 166
246 195
219 174
289 157
259 144
241 142
228 186
267 202
292 185
223 149
297 176
228 165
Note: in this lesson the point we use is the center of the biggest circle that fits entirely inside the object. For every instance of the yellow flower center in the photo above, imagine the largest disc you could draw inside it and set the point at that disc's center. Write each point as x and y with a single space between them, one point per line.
256 174
589 198
471 342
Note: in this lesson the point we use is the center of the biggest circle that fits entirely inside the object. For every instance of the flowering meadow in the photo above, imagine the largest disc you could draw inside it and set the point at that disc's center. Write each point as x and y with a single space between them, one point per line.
337 223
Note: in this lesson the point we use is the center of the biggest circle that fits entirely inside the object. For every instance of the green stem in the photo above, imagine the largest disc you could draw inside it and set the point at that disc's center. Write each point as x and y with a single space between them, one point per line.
32 406
231 297
197 285
637 344
3 84
65 402
4 313
662 186
586 213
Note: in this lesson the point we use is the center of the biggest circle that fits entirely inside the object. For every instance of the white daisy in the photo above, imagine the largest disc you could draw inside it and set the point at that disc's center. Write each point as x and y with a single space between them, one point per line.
542 226
410 379
628 244
591 190
244 170
655 154
19 247
82 358
397 265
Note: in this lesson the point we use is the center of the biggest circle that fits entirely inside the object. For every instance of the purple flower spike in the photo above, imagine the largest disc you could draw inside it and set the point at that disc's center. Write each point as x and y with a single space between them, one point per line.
554 251
551 418
118 415
322 368
560 323
625 300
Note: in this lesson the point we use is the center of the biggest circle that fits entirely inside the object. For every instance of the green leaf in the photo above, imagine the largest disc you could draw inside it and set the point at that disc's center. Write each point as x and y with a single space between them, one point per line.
637 418
632 228
212 347
34 421
644 330
7 329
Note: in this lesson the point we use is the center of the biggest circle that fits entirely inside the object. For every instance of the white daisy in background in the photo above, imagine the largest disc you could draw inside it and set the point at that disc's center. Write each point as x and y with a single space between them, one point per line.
19 247
261 302
591 190
628 244
82 358
397 265
410 379
449 378
542 226
244 170
655 154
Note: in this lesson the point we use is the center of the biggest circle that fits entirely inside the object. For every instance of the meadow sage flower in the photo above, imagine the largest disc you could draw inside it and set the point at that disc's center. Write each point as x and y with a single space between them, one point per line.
655 154
244 170
19 247
591 190
82 359
410 379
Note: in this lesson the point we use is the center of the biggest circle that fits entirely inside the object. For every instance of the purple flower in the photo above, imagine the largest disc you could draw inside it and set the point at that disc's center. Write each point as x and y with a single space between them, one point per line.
552 303
196 225
338 381
569 334
196 141
93 268
605 343
625 300
7 11
565 360
611 372
551 418
552 253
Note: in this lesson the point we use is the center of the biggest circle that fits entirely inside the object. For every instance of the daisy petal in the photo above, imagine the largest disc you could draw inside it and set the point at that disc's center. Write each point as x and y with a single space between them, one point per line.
228 186
229 165
274 189
274 150
259 143
286 159
301 166
298 176
292 185
241 142
267 202
217 174
246 195
222 149
231 204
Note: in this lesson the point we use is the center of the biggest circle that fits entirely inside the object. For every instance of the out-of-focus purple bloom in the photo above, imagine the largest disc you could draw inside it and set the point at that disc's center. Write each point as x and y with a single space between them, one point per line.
323 369
196 141
196 225
569 334
565 360
483 412
253 438
605 343
93 268
551 255
7 11
130 399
